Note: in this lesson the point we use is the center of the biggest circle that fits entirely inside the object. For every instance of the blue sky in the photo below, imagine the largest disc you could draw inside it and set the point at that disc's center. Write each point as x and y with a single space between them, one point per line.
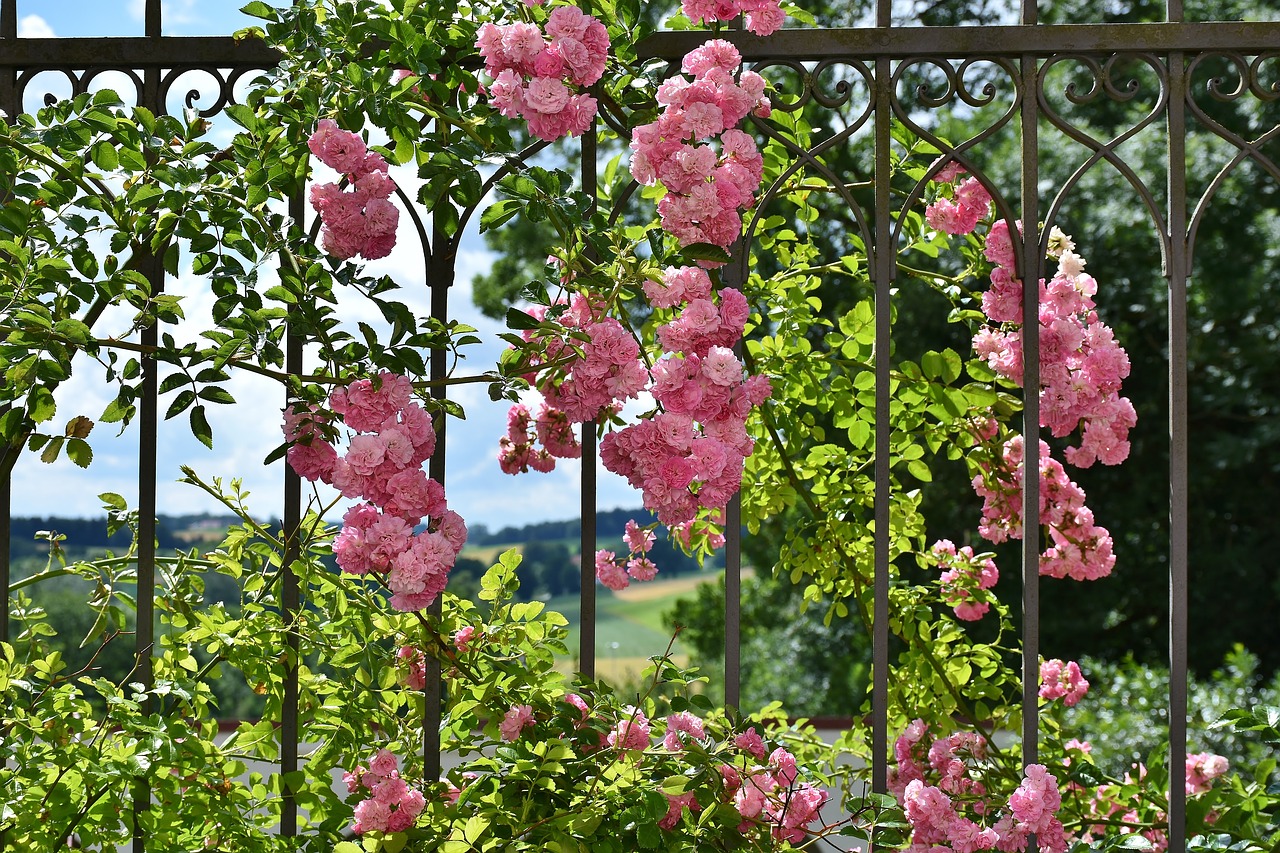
245 434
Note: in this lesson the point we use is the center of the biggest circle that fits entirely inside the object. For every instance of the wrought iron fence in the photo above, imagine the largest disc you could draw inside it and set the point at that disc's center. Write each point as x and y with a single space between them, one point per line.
872 73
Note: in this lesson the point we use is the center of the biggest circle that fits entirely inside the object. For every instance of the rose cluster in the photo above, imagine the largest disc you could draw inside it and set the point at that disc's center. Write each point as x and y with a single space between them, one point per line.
392 438
763 17
362 221
537 76
1063 681
764 787
617 574
597 368
1080 549
965 576
950 809
1081 364
392 806
707 189
690 456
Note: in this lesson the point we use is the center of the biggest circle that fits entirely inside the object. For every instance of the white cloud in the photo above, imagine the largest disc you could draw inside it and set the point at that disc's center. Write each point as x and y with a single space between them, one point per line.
34 27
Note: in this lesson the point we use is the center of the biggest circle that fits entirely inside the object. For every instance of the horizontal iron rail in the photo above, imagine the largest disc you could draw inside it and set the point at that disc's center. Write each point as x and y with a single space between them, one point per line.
137 53
1045 40
805 45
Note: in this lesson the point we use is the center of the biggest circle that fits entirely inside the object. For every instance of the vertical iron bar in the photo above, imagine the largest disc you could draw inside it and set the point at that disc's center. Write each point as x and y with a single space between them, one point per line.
1178 274
1031 263
9 76
148 427
439 280
290 602
154 26
884 268
587 594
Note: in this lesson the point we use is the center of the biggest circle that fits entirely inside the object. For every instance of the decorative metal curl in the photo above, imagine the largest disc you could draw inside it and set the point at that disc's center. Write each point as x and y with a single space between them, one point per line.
811 77
223 85
1248 79
1103 84
956 87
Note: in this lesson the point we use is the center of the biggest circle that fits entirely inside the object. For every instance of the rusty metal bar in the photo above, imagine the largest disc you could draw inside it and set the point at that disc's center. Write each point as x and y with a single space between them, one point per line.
1012 42
1177 273
1031 265
884 268
587 593
291 528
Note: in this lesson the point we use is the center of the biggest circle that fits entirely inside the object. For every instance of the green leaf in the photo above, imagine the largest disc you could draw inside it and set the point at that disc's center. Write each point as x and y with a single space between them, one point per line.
258 9
704 252
79 451
520 321
104 156
40 404
200 427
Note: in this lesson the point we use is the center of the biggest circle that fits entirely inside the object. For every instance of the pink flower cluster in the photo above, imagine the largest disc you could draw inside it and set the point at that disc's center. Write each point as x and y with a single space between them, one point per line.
769 794
763 17
518 450
362 221
517 719
392 806
537 77
1080 549
706 189
964 578
1081 364
603 371
962 210
957 812
1063 681
1202 768
392 439
614 574
691 455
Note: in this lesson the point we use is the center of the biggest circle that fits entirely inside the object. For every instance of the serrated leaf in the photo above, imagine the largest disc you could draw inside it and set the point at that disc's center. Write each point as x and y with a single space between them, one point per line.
51 450
40 404
79 452
104 156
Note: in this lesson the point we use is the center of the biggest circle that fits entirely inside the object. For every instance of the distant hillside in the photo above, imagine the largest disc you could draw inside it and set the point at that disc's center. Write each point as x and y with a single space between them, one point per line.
90 534
610 524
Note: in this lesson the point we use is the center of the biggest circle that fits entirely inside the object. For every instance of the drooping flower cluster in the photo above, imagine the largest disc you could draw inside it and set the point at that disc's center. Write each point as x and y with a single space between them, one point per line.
763 17
361 221
690 456
614 573
392 805
1063 681
518 450
707 189
596 370
950 809
1081 363
961 212
1080 549
538 76
965 577
392 438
